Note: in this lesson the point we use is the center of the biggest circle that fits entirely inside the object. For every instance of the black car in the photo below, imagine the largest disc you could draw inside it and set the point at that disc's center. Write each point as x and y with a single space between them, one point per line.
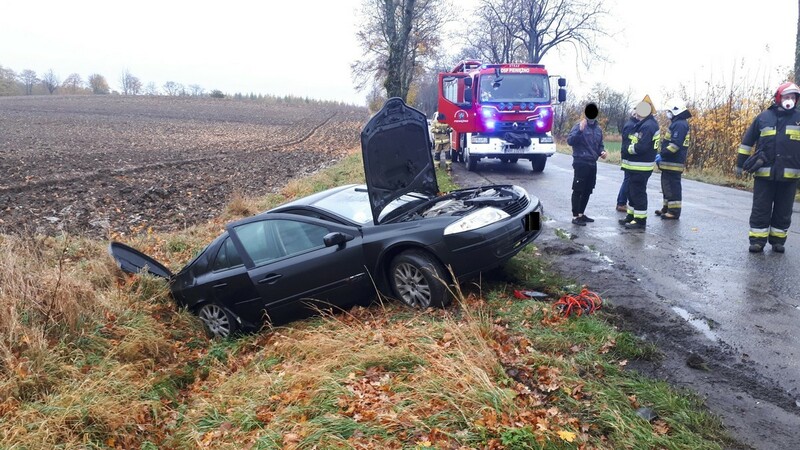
397 234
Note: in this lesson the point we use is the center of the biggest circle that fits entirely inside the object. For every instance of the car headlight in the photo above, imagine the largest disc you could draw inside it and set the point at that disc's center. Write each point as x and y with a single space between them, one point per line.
472 221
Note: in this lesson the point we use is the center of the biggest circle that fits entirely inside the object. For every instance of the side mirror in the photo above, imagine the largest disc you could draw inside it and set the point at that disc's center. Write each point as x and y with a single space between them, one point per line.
562 82
468 96
468 82
336 238
562 95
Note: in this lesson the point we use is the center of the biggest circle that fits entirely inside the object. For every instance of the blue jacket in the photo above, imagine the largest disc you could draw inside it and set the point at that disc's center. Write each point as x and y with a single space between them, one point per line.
587 144
776 132
675 145
645 141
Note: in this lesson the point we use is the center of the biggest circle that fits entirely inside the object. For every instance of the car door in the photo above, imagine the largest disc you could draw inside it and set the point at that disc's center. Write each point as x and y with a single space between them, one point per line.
289 263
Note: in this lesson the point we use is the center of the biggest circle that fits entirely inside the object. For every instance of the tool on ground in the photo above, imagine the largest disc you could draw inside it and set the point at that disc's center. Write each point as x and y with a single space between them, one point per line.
584 302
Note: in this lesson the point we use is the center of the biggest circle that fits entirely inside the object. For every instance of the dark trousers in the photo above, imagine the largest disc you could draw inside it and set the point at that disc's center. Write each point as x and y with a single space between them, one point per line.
582 186
622 197
772 210
637 193
671 187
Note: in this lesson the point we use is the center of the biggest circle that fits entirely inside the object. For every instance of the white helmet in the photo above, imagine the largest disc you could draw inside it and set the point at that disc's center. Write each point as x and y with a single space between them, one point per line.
676 106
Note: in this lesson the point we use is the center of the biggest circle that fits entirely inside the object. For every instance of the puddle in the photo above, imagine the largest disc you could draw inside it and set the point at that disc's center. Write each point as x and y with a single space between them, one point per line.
700 324
599 255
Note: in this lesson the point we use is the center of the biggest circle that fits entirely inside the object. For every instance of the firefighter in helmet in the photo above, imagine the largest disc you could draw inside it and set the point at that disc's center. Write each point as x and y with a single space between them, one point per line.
775 165
441 138
672 159
639 163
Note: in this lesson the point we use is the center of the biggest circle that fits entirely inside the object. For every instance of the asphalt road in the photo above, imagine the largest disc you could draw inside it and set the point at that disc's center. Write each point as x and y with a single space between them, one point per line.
741 310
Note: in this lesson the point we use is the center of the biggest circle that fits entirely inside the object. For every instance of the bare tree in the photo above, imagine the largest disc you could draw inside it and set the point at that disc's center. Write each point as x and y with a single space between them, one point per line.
171 88
130 84
8 82
398 37
151 89
73 84
495 28
98 84
525 30
196 90
29 79
50 81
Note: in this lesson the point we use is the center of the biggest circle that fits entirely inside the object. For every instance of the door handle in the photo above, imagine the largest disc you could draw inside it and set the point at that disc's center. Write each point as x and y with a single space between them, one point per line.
271 278
221 285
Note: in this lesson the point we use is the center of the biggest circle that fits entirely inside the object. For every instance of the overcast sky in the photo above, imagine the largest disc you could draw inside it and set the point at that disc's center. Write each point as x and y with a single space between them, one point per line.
305 48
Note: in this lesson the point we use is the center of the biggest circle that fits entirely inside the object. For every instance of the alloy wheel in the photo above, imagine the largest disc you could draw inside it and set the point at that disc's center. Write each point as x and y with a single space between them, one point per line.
412 286
216 320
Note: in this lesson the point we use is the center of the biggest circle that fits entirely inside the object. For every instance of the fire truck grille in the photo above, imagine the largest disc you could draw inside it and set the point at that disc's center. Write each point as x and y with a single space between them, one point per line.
522 127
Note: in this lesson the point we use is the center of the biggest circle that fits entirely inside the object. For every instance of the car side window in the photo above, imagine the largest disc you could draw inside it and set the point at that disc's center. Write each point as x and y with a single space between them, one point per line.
269 240
299 237
227 256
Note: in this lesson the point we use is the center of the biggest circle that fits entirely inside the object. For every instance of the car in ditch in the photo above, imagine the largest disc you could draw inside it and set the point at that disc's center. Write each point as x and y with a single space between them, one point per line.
396 235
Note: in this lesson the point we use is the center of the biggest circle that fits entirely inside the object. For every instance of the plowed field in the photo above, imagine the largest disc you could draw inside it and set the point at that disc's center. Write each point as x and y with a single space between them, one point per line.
99 164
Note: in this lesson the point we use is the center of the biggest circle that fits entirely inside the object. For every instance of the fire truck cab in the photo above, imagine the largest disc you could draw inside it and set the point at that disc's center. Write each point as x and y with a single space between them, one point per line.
502 111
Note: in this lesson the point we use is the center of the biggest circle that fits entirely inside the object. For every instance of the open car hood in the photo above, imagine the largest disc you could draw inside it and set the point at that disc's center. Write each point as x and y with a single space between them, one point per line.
133 261
397 155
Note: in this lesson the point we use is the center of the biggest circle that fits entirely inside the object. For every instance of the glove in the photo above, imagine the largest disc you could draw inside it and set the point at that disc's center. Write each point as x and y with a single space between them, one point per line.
631 150
658 158
739 171
754 162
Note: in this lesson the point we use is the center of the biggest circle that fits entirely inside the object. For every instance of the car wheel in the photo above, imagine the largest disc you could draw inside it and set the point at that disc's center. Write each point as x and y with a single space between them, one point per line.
218 322
419 280
538 162
513 160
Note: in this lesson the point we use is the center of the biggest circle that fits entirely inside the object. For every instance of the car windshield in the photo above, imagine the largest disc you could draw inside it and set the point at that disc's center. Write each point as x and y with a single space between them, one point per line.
516 87
353 204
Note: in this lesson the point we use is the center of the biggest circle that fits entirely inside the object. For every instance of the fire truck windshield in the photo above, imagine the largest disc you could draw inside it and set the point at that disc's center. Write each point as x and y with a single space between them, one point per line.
518 87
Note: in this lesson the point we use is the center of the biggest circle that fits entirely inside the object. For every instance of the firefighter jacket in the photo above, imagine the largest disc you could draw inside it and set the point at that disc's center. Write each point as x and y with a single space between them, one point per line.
776 133
675 145
626 131
587 144
645 140
441 133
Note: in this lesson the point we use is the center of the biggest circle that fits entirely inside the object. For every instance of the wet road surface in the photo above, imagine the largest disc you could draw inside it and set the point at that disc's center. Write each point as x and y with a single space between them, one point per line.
690 286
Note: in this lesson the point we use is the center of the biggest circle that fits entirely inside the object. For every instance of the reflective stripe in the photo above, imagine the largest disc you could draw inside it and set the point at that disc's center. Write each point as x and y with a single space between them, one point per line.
763 172
778 232
677 167
759 232
630 211
768 131
672 147
745 149
640 166
640 214
674 205
791 173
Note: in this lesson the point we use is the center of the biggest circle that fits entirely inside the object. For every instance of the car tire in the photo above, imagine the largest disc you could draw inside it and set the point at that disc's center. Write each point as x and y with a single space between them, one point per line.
217 321
419 280
538 162
513 160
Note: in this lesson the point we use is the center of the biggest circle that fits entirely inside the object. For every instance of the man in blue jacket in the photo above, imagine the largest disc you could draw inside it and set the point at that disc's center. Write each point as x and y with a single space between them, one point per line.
641 155
672 159
586 139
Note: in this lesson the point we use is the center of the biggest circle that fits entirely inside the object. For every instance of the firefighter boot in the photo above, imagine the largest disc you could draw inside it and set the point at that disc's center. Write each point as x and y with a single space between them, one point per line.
627 219
756 248
636 224
778 248
437 156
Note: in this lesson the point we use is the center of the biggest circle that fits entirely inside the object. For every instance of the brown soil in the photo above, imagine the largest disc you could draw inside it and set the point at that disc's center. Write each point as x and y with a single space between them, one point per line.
111 164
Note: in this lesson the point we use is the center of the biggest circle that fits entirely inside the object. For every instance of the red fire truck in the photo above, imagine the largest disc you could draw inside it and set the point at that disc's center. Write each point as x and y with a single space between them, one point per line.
502 111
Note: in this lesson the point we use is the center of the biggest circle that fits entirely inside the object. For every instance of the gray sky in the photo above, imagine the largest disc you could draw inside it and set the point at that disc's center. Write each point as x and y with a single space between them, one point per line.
305 48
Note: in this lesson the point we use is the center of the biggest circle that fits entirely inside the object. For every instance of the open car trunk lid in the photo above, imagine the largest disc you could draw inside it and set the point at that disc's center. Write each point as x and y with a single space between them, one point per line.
397 155
133 261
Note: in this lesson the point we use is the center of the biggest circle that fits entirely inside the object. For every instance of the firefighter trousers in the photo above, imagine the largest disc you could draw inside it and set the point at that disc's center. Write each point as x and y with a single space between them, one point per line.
772 210
671 187
637 194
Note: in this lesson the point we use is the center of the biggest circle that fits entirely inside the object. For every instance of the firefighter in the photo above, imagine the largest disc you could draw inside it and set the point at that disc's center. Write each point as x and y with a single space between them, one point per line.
672 159
645 139
775 165
441 138
586 139
625 131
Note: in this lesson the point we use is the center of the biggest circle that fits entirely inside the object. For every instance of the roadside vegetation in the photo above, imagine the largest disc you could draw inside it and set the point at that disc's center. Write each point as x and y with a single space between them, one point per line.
91 358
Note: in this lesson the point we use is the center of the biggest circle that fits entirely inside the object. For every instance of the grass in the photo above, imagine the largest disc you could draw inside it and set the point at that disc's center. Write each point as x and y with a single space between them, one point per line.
94 359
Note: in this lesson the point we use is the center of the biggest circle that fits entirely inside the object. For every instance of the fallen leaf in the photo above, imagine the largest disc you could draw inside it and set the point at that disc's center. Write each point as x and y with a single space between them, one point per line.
566 435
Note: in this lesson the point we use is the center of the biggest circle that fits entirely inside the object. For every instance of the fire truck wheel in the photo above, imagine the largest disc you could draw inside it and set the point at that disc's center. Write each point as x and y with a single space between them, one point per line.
471 161
538 162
